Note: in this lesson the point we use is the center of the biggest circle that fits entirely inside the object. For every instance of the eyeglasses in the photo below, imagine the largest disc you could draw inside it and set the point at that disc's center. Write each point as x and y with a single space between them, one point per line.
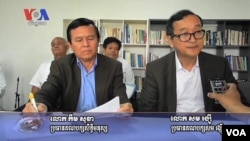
187 36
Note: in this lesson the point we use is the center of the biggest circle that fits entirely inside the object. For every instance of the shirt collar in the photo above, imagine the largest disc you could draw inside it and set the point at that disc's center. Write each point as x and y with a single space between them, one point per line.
79 63
178 63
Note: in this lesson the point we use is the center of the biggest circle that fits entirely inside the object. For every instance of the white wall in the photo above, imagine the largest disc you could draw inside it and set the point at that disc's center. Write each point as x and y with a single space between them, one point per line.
24 47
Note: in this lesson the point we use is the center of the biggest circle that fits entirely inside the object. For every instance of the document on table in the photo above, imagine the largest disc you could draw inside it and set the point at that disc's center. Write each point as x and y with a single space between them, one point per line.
110 106
108 109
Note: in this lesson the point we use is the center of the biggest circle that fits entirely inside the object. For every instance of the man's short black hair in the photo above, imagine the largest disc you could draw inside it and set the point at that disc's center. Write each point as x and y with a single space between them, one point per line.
176 17
81 22
109 40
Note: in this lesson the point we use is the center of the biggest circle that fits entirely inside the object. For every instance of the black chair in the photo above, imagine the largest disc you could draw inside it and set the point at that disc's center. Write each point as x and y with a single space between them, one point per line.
245 90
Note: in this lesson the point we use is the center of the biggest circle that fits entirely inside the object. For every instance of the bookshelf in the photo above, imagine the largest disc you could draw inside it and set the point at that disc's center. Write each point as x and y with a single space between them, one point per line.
229 38
133 35
110 28
158 45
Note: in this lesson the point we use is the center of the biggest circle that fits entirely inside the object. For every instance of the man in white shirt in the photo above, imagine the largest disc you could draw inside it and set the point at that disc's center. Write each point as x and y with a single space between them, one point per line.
59 49
111 47
179 81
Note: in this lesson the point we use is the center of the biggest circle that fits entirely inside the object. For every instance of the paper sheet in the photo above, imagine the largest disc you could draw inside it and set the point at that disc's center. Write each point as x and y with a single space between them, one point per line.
108 109
110 106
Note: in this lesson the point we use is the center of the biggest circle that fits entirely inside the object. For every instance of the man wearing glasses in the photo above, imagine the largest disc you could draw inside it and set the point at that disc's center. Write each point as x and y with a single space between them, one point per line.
178 82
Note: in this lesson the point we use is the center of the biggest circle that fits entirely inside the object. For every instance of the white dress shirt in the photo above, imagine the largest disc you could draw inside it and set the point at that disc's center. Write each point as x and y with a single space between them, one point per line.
128 77
189 89
41 74
128 74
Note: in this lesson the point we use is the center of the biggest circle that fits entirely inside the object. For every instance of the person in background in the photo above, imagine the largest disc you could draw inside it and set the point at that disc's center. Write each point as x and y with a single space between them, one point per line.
83 79
2 81
231 100
111 48
179 81
59 49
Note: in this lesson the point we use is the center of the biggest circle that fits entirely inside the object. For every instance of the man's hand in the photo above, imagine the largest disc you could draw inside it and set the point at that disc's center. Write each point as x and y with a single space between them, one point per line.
126 107
230 100
29 108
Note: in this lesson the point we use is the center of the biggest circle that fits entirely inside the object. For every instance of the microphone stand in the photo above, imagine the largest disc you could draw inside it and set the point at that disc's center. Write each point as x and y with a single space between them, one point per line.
17 95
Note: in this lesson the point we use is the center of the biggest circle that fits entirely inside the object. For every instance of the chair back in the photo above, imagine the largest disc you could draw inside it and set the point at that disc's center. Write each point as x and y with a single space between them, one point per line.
245 89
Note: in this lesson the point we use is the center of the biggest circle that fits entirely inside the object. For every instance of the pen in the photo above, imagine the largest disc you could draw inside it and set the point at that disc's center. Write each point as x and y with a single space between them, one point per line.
32 99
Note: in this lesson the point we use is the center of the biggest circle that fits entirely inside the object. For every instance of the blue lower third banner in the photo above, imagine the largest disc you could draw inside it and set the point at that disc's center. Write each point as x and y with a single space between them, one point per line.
122 127
234 132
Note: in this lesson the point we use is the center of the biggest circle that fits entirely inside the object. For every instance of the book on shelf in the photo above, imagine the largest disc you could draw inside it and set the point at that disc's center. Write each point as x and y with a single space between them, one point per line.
229 37
134 59
237 63
110 32
158 37
134 35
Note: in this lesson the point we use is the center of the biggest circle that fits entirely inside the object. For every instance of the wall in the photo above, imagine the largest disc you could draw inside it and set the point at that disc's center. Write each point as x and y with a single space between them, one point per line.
24 47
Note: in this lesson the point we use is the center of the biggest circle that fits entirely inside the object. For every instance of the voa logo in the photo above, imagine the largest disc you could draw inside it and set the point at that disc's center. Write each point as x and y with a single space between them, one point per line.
236 132
36 17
